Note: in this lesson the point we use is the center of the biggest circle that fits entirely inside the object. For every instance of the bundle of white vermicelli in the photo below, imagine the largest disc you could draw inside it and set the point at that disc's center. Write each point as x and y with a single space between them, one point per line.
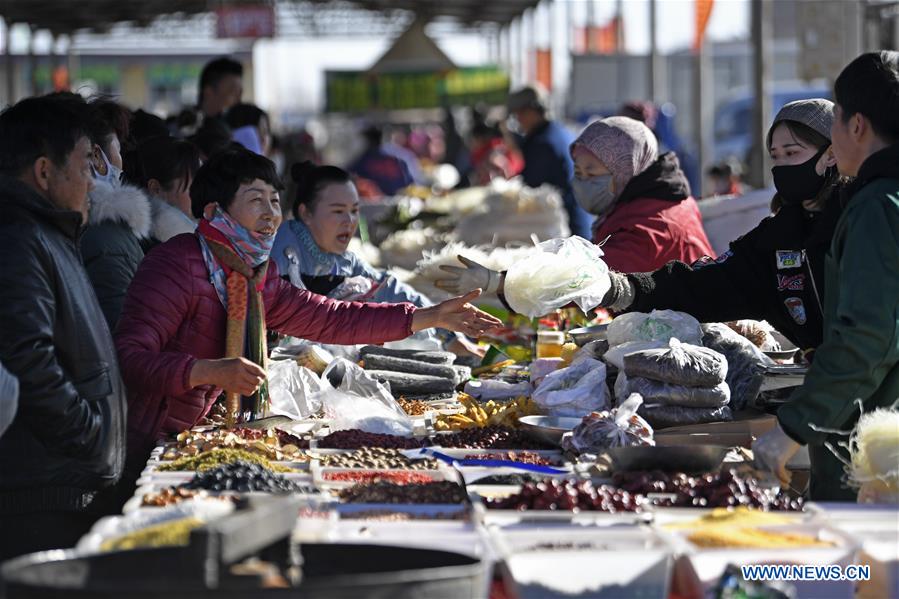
428 269
873 465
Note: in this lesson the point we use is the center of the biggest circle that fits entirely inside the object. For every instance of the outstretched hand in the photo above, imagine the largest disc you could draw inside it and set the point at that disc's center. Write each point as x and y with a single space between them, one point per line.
456 314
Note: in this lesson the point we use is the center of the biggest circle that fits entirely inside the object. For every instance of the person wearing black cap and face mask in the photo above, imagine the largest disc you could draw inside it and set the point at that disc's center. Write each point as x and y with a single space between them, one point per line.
774 272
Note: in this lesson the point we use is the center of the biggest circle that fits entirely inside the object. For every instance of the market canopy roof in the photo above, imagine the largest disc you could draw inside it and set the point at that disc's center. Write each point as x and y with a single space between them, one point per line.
65 16
413 50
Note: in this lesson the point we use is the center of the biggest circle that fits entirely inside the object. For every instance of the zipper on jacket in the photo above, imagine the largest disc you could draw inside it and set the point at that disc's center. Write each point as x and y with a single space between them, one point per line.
811 276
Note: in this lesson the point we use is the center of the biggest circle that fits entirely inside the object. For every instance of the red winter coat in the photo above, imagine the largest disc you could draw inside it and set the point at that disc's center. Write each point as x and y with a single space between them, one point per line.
654 222
172 317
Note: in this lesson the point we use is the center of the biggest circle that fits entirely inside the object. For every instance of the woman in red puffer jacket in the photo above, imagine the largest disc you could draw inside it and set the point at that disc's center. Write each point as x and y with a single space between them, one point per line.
178 345
645 215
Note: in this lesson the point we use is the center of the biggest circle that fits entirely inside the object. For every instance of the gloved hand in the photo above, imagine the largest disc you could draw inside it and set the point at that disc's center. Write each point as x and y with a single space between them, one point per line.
773 450
620 295
473 276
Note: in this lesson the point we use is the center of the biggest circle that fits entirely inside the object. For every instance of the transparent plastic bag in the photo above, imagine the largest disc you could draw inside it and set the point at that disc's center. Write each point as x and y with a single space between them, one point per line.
292 389
594 350
658 325
574 391
655 392
355 400
615 355
758 332
559 272
678 364
745 363
618 427
306 353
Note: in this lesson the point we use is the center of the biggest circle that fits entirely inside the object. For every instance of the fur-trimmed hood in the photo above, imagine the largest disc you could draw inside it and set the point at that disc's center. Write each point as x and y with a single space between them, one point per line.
124 203
168 221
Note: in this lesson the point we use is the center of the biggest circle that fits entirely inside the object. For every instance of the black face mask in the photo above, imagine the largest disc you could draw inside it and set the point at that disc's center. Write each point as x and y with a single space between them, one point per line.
798 182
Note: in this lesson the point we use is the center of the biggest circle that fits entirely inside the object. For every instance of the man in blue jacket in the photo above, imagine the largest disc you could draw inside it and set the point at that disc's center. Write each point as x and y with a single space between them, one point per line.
545 146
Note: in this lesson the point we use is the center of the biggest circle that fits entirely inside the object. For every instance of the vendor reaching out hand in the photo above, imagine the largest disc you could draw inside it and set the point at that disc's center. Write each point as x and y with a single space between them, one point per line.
312 250
773 273
196 314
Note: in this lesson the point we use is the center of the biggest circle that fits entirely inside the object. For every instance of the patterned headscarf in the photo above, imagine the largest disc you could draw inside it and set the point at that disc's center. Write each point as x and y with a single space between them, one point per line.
625 146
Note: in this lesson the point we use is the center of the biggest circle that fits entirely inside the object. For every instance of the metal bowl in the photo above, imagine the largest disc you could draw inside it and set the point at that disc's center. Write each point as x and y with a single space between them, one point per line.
548 429
784 355
691 459
585 335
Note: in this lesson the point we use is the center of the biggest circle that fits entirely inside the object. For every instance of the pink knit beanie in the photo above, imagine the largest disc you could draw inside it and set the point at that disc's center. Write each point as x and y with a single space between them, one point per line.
625 146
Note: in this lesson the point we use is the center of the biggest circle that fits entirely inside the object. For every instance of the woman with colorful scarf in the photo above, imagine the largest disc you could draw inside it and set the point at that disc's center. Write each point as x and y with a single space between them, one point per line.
195 318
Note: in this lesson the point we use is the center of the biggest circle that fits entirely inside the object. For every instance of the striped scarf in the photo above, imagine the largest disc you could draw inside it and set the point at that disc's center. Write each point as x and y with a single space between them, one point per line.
238 262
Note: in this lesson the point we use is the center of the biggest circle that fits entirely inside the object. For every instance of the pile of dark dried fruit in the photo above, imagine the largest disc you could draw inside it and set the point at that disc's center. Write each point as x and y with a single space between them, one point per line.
354 439
491 437
385 492
243 477
722 489
567 495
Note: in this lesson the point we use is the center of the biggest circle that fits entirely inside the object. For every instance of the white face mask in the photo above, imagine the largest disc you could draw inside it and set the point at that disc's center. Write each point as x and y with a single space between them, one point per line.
103 170
594 194
513 125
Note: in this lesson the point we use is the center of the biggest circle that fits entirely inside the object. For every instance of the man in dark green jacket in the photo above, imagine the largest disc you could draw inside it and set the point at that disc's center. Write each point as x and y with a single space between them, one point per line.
859 357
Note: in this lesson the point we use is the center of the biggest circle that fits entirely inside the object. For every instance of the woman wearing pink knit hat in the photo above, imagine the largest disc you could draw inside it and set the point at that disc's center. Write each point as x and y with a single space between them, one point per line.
645 215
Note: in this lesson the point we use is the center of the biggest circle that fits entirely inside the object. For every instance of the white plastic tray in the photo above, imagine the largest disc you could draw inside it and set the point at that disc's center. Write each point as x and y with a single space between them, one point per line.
152 468
596 574
549 537
505 517
346 510
135 502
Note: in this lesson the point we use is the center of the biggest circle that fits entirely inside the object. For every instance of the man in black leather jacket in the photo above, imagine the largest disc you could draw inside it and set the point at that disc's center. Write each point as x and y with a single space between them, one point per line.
66 444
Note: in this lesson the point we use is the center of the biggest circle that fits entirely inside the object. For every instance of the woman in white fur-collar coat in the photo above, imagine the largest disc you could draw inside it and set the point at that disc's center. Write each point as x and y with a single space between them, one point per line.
164 168
119 216
111 246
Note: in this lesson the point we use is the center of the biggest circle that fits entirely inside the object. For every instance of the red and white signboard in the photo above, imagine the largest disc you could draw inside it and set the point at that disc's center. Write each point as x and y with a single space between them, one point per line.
245 21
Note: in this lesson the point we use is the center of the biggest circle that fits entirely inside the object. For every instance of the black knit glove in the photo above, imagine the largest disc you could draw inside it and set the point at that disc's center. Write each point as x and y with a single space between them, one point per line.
620 295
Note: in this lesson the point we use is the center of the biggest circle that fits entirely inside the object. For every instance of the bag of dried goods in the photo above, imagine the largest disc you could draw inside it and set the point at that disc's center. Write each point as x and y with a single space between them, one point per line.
615 355
745 363
658 325
678 364
617 427
656 392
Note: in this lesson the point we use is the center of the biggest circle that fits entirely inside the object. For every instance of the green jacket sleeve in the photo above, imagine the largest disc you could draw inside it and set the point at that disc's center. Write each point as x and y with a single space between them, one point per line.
861 345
